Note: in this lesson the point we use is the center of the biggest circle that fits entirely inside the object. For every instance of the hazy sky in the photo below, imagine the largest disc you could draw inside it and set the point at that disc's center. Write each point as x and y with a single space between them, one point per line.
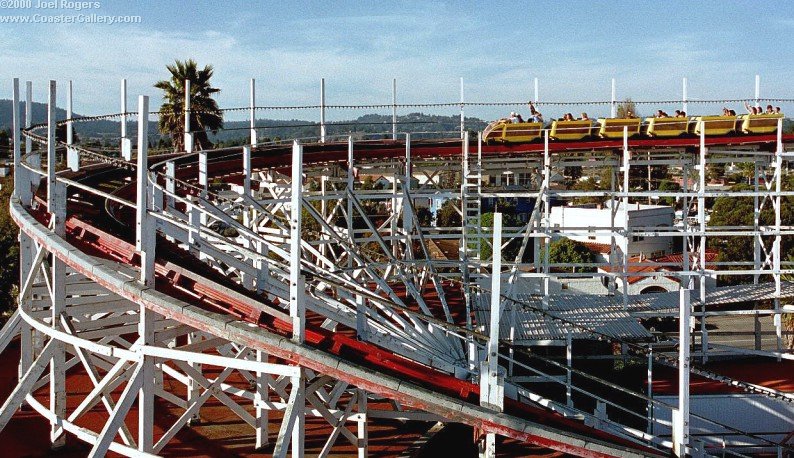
574 48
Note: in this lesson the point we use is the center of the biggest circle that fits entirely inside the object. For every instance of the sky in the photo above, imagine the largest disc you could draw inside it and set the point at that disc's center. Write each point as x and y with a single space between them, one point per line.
573 48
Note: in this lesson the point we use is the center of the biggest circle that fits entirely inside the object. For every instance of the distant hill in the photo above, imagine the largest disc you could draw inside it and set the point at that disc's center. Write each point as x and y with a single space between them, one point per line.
236 132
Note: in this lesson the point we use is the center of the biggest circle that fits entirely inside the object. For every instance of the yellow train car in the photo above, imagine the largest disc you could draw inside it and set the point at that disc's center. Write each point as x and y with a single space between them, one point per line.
666 127
613 127
715 125
571 130
505 131
760 123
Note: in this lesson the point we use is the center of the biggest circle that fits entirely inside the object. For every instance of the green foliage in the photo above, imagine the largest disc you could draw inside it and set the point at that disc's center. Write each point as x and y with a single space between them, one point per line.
509 219
627 109
565 250
738 211
668 186
424 216
447 215
205 114
9 251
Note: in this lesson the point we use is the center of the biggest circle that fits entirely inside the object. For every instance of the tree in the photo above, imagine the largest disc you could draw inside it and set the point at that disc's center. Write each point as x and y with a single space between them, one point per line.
627 109
204 112
448 215
567 251
738 211
9 251
668 186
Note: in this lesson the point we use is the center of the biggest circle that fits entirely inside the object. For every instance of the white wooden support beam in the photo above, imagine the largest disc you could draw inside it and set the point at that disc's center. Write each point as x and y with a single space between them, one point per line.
776 247
297 303
260 398
72 155
569 363
624 241
146 329
293 422
681 415
247 170
21 191
33 159
193 389
546 219
322 111
58 360
145 237
51 159
684 104
614 105
252 112
125 141
491 378
21 179
188 135
704 336
123 406
408 215
537 89
362 432
462 113
394 109
57 285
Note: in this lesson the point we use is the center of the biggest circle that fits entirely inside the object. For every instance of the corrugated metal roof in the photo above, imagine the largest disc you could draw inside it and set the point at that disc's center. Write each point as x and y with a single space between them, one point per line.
532 326
605 314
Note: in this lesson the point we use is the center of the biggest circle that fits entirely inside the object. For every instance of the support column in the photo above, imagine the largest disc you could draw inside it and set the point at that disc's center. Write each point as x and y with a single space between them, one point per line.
624 242
776 248
704 337
322 110
363 434
72 155
51 159
145 240
252 114
22 189
569 361
491 375
144 233
684 101
297 306
297 303
56 203
537 87
126 143
546 219
407 213
34 159
261 396
188 135
394 109
614 105
462 115
22 192
681 415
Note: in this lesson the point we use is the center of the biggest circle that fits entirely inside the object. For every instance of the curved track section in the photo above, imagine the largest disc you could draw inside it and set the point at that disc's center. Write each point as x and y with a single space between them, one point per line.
310 294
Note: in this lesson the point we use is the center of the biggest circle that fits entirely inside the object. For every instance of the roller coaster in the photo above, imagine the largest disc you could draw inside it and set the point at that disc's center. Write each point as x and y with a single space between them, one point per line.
268 278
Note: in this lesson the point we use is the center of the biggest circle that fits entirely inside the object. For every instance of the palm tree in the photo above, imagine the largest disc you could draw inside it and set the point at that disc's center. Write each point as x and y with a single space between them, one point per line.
204 112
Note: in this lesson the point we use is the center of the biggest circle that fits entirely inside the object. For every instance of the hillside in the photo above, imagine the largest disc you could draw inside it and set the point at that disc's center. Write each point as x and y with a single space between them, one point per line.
237 131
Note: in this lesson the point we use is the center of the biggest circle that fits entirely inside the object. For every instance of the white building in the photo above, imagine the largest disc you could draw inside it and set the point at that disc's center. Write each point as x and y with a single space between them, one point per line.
592 224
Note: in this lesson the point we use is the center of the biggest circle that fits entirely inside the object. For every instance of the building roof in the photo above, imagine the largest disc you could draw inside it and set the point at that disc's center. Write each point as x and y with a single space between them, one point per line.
598 248
658 264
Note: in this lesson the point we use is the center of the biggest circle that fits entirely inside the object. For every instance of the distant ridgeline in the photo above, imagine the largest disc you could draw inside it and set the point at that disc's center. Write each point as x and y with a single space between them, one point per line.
236 132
